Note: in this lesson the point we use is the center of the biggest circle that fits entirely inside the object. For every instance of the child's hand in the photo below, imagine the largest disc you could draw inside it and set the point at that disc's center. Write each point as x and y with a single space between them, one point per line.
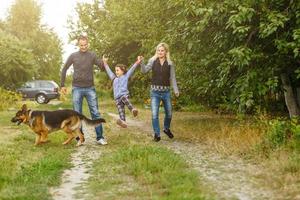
104 59
139 59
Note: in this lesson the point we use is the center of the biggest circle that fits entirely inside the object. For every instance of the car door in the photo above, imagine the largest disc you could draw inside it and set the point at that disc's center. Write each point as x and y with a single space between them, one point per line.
28 90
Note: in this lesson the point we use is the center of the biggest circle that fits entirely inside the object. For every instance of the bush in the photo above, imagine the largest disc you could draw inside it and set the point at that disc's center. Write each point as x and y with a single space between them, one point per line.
284 132
8 98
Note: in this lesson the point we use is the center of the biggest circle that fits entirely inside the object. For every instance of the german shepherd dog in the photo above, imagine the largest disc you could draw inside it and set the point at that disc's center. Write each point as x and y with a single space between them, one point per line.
44 122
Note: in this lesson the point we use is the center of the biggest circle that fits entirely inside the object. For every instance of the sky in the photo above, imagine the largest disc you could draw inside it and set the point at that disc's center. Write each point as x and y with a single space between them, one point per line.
55 14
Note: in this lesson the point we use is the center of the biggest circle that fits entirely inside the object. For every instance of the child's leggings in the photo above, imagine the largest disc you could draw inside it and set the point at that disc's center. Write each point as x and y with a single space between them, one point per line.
120 103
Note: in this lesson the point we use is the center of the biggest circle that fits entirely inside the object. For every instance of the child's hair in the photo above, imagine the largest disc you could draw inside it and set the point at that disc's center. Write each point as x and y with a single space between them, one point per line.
122 67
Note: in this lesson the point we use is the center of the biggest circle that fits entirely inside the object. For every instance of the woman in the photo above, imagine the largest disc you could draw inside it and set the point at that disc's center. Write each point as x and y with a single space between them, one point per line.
163 76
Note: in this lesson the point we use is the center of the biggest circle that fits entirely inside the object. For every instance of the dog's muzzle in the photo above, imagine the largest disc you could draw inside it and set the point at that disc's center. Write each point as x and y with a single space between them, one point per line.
14 120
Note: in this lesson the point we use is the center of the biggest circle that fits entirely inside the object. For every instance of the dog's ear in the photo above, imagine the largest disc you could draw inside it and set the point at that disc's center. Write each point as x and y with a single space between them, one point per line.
24 107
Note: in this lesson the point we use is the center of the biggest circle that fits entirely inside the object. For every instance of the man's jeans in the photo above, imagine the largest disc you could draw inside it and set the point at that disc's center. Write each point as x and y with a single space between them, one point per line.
89 93
156 98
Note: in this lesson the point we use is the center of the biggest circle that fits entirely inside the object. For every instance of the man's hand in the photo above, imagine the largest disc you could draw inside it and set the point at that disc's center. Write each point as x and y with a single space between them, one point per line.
104 59
177 94
63 90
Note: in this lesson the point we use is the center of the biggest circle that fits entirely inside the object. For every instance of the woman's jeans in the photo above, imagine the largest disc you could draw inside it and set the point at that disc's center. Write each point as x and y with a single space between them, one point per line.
89 93
156 98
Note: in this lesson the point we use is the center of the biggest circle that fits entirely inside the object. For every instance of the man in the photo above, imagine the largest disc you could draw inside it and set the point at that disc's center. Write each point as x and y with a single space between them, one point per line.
83 62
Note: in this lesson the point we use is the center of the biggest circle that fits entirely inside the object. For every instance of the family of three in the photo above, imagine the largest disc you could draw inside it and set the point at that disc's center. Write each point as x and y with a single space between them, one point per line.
163 77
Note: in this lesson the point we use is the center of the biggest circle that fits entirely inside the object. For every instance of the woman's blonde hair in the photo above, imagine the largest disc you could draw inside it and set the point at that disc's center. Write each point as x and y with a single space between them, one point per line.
166 47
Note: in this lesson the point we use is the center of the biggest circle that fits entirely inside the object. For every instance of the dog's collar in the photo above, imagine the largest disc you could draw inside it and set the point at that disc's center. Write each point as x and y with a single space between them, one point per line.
29 114
29 120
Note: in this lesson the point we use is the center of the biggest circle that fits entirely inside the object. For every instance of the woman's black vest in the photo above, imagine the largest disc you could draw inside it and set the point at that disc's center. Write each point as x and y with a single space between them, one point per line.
161 73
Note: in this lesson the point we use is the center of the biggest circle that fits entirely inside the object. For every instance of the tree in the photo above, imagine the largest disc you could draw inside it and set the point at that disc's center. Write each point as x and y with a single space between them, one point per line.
242 48
24 18
123 30
16 60
242 56
24 21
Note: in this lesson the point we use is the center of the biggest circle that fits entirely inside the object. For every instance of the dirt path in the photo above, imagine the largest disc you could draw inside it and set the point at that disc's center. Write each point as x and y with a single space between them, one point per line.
229 177
73 179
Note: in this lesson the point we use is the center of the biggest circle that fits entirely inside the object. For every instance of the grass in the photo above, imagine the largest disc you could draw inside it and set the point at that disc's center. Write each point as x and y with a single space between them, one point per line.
136 168
161 173
223 133
132 166
227 135
26 171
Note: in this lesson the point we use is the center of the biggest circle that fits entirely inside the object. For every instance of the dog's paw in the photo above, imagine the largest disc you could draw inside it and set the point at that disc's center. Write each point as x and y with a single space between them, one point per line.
79 143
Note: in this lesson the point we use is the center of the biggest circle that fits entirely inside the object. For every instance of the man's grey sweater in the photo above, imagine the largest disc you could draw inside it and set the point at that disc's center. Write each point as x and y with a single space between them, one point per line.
83 64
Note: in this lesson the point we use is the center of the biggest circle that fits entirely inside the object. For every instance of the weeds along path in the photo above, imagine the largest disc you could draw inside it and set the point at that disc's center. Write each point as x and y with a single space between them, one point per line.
72 186
228 177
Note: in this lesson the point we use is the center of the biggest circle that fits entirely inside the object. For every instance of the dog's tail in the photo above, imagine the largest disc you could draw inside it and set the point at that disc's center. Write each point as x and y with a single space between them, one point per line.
92 122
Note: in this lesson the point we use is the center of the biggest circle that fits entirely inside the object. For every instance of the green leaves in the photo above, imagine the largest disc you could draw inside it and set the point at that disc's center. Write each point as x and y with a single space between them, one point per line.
17 61
271 23
29 50
226 52
240 56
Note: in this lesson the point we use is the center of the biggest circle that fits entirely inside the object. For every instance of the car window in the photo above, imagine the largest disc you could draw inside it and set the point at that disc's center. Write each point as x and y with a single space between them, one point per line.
29 85
45 84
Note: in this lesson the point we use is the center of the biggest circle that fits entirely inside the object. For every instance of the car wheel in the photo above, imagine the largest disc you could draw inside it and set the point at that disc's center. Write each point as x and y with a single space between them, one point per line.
41 98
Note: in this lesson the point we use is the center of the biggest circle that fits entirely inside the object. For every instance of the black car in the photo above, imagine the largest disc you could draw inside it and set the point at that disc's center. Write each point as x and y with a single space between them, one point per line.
40 90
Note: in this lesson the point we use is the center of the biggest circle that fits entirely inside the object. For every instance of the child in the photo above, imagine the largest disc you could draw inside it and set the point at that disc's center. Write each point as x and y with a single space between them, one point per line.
120 88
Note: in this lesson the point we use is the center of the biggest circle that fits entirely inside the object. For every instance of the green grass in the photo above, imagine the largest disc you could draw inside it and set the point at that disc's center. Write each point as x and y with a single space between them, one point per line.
145 172
26 171
132 166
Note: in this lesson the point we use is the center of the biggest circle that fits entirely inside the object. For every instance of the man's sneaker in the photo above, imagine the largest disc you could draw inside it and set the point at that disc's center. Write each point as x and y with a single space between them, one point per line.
122 123
78 139
135 112
101 141
168 133
156 138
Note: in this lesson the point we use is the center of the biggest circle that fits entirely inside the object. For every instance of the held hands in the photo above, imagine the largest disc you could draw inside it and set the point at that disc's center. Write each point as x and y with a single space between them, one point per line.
104 59
139 59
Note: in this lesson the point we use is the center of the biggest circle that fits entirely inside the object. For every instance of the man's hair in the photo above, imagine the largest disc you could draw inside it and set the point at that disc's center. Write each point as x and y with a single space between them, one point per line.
82 37
122 67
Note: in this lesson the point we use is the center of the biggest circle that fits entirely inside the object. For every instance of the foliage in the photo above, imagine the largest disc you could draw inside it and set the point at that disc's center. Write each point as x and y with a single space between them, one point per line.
24 22
284 133
228 53
16 60
237 49
8 98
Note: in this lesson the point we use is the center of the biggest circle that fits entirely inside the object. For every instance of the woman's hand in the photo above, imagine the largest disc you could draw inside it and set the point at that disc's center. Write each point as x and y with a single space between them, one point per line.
139 59
177 94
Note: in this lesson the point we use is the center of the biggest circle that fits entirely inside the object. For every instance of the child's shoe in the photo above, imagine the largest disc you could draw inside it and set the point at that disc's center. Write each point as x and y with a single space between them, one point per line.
135 112
122 123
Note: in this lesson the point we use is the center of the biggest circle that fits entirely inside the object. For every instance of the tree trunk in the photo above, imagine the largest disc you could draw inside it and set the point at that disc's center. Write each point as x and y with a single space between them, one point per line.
290 98
298 95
